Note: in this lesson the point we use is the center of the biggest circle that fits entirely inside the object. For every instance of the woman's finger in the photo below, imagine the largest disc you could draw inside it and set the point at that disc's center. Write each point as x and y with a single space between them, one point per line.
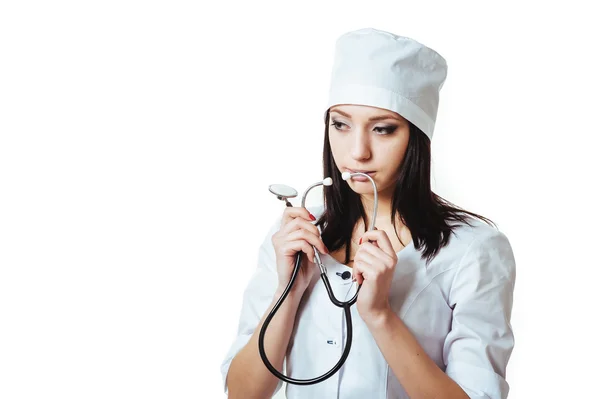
371 257
293 247
374 255
310 237
357 273
300 223
292 212
380 238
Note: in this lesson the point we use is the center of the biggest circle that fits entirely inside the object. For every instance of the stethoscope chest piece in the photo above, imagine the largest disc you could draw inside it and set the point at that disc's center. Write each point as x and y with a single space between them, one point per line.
283 191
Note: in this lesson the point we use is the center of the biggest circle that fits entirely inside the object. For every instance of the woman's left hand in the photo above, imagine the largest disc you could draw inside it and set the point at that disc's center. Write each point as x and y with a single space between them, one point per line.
374 265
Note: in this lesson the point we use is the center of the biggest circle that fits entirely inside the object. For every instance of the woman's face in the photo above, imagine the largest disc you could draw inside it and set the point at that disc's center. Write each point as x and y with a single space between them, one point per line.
365 138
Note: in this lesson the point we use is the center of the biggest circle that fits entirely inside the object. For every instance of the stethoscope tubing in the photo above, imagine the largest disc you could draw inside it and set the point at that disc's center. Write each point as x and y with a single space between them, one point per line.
334 300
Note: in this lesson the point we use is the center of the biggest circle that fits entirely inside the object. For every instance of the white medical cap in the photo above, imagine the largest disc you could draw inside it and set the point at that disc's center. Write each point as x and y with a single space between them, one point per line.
380 69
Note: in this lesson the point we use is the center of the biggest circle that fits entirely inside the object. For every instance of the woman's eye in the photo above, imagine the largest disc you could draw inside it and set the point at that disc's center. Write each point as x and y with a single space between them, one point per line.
386 130
335 124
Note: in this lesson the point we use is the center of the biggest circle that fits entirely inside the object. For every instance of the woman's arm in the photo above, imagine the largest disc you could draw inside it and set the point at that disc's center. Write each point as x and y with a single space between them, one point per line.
248 376
477 348
416 371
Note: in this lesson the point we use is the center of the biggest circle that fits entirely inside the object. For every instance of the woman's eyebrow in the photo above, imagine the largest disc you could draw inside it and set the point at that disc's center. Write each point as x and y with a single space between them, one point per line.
374 118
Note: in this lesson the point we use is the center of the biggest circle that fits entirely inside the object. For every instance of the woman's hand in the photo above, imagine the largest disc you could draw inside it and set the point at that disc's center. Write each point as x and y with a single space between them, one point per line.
296 234
374 265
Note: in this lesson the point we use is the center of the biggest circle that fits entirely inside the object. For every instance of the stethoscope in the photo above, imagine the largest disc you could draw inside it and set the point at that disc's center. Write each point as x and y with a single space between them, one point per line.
284 192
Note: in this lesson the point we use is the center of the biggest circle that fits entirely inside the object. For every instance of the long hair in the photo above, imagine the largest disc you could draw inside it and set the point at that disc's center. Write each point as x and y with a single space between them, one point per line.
428 216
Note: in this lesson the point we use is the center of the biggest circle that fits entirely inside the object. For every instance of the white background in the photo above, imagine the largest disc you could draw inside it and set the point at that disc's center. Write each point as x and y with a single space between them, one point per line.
138 140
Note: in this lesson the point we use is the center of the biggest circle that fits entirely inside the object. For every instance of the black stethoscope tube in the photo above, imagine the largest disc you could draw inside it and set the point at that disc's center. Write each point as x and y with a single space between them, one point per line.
344 305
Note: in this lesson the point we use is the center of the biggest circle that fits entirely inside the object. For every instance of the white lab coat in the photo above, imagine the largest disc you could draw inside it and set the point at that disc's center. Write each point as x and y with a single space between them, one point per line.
458 308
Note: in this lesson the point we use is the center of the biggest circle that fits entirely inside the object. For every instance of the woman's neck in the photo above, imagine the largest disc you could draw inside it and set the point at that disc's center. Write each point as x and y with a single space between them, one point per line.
384 209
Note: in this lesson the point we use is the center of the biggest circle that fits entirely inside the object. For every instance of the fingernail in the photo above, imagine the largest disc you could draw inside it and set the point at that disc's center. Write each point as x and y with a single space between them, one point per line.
360 242
312 217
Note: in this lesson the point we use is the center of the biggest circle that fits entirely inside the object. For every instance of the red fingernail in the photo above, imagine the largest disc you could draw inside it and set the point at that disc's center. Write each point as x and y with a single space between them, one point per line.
360 242
312 217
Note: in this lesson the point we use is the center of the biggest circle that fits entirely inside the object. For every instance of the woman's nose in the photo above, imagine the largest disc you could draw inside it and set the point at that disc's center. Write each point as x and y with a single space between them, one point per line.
360 146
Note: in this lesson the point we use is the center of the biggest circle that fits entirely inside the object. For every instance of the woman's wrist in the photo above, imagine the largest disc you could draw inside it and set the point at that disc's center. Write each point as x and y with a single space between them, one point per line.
293 295
379 319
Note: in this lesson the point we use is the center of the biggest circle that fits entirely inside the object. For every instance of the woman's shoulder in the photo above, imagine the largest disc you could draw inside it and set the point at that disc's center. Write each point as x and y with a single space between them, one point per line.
478 232
471 239
479 242
472 230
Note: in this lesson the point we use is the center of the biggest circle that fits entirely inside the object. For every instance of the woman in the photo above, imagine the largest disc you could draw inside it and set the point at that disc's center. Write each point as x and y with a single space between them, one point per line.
432 318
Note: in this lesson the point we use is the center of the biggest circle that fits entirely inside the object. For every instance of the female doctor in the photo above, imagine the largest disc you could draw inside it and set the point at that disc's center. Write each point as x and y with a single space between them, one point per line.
432 319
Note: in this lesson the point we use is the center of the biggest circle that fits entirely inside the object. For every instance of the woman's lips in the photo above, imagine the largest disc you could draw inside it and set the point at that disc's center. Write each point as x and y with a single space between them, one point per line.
360 178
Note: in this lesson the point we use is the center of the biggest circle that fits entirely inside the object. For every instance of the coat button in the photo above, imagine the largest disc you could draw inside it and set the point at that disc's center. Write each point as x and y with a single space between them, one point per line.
345 275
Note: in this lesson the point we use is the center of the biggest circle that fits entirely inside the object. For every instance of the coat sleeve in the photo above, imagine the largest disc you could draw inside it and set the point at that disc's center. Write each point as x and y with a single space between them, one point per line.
481 340
258 294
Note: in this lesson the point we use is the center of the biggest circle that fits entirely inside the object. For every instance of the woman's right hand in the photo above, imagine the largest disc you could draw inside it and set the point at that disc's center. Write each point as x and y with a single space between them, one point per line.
296 233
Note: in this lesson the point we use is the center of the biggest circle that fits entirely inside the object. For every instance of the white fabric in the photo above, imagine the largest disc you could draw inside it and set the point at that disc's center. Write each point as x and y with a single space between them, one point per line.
380 69
458 308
